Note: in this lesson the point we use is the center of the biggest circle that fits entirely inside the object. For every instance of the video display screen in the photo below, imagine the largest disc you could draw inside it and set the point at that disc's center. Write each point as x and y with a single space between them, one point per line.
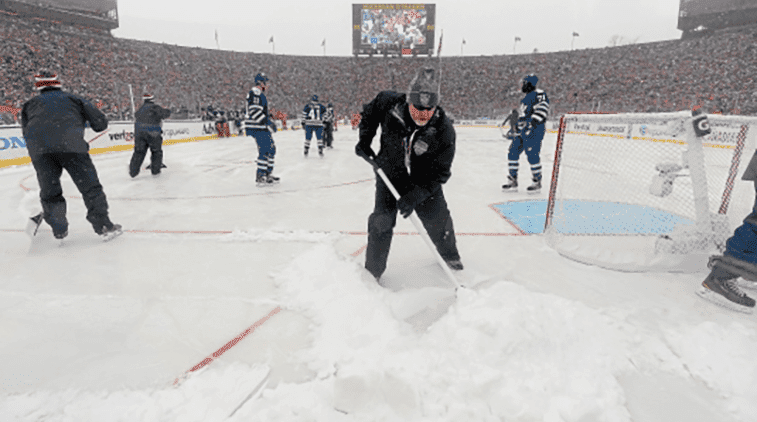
393 29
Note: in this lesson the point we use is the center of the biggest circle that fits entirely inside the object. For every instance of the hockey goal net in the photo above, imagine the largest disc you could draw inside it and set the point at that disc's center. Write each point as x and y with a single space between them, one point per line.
643 192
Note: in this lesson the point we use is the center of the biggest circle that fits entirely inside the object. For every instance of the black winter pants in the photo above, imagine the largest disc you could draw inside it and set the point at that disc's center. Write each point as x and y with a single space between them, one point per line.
433 213
142 142
79 166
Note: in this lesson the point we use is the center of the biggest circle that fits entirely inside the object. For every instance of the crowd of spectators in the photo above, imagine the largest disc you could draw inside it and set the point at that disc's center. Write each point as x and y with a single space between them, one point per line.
716 71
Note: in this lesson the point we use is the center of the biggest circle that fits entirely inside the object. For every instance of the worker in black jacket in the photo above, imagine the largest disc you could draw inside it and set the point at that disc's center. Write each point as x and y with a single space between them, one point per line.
417 149
53 125
148 133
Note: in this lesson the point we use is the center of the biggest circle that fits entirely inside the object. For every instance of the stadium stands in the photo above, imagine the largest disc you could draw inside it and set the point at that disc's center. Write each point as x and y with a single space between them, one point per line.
717 71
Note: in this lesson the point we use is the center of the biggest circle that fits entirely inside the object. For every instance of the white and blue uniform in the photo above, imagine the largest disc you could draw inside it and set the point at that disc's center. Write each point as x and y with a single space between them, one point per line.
256 124
533 112
312 121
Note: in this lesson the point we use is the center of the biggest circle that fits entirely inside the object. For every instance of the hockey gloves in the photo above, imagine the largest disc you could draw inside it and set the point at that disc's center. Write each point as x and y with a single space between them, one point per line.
407 202
366 153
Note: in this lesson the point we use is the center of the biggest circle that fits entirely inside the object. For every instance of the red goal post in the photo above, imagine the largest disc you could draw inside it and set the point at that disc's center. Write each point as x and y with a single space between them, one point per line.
612 171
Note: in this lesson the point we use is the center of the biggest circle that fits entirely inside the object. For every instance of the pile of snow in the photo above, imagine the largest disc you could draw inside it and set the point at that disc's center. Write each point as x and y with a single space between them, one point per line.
503 352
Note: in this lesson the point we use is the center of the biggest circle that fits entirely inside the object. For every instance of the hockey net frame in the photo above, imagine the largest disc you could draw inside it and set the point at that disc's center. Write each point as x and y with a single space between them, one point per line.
685 248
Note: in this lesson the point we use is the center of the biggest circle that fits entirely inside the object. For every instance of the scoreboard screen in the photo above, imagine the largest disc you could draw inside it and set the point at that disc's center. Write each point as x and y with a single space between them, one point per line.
393 29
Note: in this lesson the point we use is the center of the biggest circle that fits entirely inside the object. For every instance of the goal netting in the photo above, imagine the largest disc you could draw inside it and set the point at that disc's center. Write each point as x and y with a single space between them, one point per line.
643 192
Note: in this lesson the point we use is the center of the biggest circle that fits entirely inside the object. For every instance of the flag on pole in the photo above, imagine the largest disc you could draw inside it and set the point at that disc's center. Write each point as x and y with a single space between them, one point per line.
323 43
217 45
439 50
464 41
517 39
575 34
271 40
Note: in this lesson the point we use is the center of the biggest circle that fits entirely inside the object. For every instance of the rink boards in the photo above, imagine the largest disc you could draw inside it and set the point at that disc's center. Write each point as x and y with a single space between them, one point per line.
119 136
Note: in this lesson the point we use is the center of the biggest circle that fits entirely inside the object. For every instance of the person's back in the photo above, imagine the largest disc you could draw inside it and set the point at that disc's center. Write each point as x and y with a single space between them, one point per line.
54 121
150 116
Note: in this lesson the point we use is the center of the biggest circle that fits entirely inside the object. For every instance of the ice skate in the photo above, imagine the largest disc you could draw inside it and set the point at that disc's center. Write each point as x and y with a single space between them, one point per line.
726 293
535 187
272 179
263 180
511 185
320 152
306 153
109 233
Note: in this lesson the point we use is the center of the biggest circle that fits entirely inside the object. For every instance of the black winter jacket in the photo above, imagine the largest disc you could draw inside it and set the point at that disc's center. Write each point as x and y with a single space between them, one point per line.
54 121
149 117
431 147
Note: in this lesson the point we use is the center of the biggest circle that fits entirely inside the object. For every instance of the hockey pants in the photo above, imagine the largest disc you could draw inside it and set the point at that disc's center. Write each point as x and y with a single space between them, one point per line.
143 141
266 150
433 213
309 130
328 134
532 146
743 244
49 168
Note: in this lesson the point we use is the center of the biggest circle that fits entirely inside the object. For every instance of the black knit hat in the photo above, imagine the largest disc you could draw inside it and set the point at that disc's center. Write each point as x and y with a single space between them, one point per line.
424 89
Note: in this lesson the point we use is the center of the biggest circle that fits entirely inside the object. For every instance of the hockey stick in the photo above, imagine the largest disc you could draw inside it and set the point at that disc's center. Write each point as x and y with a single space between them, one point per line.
422 230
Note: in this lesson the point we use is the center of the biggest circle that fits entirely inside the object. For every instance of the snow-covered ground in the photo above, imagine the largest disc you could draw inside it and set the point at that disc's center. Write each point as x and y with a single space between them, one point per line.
96 331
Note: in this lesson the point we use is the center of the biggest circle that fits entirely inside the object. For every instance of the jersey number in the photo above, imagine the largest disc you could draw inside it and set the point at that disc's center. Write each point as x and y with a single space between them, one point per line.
315 114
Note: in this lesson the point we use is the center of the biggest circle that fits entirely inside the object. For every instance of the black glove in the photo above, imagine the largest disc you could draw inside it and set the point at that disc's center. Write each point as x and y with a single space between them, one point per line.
407 202
366 153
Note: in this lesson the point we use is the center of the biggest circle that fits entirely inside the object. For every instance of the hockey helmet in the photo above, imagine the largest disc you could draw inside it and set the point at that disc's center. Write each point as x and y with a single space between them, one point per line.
314 99
529 83
261 78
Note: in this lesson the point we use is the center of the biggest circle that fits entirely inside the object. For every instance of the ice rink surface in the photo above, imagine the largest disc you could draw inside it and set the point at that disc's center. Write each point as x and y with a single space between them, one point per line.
95 331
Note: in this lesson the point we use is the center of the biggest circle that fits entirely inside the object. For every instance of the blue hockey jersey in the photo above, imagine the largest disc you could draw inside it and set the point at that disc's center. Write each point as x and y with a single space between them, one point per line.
256 115
534 108
313 114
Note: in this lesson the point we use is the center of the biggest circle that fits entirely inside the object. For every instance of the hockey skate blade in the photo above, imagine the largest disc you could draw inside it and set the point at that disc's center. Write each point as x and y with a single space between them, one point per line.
719 300
112 235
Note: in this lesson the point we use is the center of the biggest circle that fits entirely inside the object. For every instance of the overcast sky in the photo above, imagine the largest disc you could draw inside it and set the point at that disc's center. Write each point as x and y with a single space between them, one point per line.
488 27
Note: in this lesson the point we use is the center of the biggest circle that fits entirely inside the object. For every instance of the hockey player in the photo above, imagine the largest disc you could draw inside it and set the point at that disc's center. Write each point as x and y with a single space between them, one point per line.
328 126
53 125
259 126
416 153
148 133
738 260
533 112
312 121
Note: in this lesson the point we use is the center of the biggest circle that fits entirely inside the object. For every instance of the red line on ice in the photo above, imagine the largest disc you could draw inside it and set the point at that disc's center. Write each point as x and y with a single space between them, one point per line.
215 355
